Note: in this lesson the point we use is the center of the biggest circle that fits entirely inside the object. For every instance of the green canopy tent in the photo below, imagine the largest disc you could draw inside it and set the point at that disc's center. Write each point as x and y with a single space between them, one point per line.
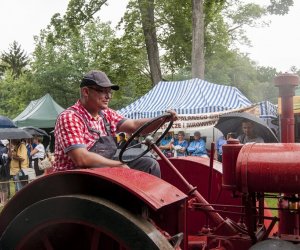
40 113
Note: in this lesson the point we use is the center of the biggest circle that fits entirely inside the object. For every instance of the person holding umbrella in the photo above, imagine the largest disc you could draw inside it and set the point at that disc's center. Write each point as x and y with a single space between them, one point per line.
249 134
19 162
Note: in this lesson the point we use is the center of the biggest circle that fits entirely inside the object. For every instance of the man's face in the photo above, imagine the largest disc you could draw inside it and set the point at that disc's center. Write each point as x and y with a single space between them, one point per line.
197 136
99 97
247 128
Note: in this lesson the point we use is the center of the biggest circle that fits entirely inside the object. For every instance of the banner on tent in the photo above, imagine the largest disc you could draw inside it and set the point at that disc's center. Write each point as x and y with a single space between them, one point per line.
194 122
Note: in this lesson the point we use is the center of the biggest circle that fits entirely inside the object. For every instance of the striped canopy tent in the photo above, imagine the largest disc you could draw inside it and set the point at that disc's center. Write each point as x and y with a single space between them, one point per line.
188 97
268 110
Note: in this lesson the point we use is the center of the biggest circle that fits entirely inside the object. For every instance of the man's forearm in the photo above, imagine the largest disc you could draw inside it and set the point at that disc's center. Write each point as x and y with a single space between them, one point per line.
93 160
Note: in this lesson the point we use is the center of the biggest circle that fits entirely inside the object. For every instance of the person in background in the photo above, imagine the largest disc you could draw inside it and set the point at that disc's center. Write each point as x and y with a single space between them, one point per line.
220 142
4 173
19 160
122 140
51 158
249 134
197 147
135 143
37 153
180 145
30 146
166 145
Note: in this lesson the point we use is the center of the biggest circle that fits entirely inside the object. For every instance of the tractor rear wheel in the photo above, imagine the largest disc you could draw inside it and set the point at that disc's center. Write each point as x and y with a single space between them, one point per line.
80 222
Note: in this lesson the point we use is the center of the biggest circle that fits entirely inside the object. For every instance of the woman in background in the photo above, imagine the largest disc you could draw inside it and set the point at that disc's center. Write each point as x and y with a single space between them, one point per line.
180 145
19 161
37 153
166 145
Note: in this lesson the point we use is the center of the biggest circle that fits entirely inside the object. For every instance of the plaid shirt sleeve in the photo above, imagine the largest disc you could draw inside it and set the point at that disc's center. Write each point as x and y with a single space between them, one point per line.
69 130
115 119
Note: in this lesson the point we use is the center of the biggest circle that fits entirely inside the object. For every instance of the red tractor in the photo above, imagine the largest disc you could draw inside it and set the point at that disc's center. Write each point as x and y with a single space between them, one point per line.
198 204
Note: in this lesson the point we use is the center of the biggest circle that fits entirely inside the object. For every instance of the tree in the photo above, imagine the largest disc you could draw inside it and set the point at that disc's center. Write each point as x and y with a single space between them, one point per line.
203 13
15 59
280 7
78 14
16 93
60 63
146 8
198 63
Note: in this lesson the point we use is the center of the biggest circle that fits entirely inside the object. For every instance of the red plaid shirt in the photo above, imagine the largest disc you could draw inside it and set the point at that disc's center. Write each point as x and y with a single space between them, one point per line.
71 132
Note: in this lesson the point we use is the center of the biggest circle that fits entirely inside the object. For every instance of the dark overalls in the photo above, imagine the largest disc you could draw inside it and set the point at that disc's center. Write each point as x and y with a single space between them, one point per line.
107 147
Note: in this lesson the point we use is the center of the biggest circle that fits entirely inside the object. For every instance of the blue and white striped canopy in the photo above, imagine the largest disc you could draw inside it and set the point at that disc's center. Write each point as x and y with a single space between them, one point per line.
268 110
193 96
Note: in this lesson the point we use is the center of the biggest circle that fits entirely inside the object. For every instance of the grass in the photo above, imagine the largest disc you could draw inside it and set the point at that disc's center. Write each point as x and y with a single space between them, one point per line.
272 202
12 191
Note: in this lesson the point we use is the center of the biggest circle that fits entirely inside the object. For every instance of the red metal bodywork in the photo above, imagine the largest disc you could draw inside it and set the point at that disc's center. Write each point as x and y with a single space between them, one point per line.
151 190
286 84
230 154
128 188
268 168
196 171
195 194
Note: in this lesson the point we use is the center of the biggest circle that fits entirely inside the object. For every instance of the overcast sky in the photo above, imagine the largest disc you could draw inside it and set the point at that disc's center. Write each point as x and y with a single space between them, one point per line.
276 45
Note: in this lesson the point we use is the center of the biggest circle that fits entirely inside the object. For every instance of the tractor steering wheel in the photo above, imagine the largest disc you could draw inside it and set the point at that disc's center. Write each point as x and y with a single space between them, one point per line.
160 120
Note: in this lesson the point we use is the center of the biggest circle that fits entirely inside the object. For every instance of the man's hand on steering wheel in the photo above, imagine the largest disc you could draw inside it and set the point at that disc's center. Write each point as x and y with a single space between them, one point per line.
158 123
174 116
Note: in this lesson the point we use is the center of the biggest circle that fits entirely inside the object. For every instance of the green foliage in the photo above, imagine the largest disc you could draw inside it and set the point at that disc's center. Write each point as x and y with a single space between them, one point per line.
14 60
78 41
15 94
59 64
78 14
280 7
239 16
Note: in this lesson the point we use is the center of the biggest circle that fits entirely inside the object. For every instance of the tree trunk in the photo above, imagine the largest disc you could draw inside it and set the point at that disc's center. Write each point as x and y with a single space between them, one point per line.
198 63
147 13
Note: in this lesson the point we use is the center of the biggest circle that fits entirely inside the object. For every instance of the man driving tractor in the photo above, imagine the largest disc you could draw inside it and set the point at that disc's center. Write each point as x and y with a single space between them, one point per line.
84 133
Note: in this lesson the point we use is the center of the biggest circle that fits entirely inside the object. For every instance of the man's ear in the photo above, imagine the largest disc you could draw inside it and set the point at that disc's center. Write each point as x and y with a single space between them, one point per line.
85 91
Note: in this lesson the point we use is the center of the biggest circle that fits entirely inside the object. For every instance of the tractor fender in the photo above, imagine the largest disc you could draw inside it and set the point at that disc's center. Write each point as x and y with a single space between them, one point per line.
129 188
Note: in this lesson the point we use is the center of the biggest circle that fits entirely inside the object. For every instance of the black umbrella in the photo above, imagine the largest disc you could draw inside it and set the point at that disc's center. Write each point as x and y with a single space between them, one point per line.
13 133
6 122
35 131
232 122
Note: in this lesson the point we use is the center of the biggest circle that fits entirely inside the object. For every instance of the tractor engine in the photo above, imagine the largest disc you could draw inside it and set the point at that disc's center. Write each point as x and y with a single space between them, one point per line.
257 171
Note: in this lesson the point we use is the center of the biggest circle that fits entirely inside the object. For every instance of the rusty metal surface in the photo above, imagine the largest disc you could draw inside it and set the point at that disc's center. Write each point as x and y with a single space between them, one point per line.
269 168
